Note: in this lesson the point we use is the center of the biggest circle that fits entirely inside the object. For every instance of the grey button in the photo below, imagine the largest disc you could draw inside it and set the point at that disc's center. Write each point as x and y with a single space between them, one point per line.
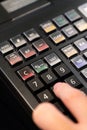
52 59
81 44
84 72
83 9
69 31
6 47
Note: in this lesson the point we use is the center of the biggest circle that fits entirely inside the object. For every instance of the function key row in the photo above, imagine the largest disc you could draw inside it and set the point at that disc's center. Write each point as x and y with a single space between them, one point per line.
26 52
57 37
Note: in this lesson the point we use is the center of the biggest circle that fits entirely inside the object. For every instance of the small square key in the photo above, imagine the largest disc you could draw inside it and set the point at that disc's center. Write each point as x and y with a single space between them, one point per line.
84 73
26 73
69 31
81 44
27 52
18 41
48 26
14 58
62 70
60 21
73 81
39 66
31 35
69 51
52 59
57 37
85 54
45 96
35 84
6 47
49 77
79 61
40 45
81 25
72 15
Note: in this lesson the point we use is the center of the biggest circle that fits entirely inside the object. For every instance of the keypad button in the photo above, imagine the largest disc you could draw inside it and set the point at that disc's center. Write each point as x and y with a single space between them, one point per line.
69 51
6 47
81 44
48 26
26 73
72 15
57 37
45 96
14 58
60 21
84 73
69 31
18 41
49 77
52 59
83 9
81 25
62 70
40 45
31 34
85 54
39 66
73 81
35 84
79 61
27 52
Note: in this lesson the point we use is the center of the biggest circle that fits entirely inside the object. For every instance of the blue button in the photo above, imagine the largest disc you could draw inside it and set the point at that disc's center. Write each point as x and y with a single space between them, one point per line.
79 61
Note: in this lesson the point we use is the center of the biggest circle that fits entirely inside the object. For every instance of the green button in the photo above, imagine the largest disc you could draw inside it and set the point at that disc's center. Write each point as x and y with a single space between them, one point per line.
60 21
39 66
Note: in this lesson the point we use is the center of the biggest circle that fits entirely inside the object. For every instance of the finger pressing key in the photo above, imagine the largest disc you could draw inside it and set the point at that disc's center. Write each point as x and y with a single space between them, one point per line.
73 99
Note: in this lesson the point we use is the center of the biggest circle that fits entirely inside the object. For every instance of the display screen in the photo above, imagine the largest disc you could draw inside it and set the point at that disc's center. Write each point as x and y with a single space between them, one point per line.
13 5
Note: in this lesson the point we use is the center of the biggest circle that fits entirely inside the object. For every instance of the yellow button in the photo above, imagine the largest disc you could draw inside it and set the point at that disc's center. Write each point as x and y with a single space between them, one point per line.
81 25
48 26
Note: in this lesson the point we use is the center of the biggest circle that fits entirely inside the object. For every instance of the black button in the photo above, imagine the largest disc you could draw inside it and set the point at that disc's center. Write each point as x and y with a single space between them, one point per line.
35 84
73 81
49 77
45 96
62 70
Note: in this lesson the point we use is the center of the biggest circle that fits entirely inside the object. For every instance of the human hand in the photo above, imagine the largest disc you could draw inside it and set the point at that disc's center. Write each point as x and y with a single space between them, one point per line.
48 117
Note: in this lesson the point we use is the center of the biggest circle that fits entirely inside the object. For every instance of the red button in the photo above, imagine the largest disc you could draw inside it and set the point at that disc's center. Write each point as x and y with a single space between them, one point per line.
41 45
14 58
27 52
26 73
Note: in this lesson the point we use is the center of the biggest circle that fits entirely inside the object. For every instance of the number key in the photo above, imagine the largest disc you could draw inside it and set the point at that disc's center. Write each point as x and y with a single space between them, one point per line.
35 84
